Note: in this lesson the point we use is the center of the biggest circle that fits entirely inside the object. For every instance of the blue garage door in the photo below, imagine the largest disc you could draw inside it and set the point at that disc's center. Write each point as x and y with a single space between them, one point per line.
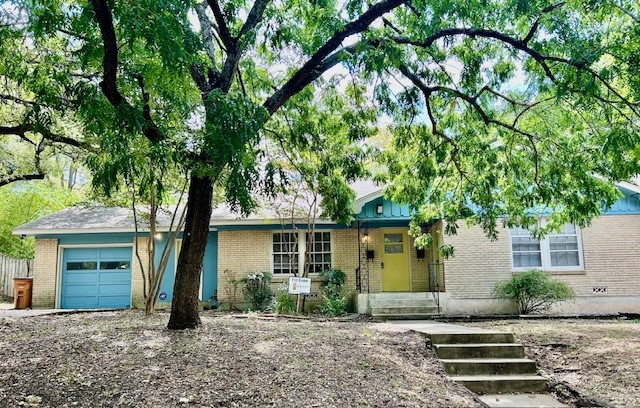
96 278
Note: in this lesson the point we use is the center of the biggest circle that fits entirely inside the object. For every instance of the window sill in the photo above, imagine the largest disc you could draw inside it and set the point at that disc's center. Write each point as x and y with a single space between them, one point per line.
553 271
285 278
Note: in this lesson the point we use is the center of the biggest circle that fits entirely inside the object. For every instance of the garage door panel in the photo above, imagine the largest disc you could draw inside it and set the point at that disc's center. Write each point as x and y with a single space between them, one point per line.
115 253
87 254
114 277
112 301
96 278
79 302
113 289
80 290
81 278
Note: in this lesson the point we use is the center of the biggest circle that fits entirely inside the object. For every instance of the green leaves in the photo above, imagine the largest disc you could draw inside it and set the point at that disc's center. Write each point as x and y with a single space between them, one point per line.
24 203
534 291
483 109
230 139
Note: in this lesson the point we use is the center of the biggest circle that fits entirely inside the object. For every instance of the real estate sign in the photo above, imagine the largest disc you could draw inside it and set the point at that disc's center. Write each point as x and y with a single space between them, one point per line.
300 286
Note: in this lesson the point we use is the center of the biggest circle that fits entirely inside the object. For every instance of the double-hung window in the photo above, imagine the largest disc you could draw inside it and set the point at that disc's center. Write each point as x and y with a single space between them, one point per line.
320 251
559 251
285 253
288 252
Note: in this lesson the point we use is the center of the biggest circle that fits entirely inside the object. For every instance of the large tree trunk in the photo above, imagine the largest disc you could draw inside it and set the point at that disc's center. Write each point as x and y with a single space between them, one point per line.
184 308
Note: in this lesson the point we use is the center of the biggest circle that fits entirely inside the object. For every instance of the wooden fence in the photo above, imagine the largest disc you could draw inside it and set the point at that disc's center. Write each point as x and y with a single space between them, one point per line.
12 268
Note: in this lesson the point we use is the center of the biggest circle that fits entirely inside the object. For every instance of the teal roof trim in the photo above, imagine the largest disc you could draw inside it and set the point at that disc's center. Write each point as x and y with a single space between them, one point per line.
628 204
275 227
390 211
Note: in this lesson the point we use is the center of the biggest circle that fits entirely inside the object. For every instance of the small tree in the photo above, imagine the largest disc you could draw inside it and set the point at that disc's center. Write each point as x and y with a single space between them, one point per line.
534 291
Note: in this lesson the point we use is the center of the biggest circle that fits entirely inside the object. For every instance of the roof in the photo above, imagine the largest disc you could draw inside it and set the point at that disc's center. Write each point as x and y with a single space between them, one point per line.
101 219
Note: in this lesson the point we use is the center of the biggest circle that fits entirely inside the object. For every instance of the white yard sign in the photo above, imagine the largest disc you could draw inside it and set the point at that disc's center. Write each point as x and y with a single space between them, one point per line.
300 286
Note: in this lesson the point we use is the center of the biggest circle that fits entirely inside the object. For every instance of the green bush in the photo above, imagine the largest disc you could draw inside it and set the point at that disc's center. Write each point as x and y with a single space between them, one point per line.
534 291
256 290
284 304
333 305
333 302
333 281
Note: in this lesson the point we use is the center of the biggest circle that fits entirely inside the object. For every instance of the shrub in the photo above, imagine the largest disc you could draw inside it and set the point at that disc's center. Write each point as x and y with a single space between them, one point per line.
333 303
534 291
256 290
333 281
284 304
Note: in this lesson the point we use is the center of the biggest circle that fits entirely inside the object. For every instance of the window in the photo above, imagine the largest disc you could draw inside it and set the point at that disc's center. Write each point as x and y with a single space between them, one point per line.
289 252
81 266
525 249
557 251
285 253
320 253
393 244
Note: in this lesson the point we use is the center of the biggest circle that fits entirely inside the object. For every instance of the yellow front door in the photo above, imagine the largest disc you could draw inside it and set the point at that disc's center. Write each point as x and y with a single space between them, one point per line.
395 260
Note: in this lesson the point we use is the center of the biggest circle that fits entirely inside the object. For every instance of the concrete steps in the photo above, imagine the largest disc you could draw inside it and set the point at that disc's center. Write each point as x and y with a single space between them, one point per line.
486 362
402 306
486 350
502 384
471 338
489 366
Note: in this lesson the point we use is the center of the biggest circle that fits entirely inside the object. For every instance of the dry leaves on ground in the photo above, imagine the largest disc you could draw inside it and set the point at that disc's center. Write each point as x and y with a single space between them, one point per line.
129 360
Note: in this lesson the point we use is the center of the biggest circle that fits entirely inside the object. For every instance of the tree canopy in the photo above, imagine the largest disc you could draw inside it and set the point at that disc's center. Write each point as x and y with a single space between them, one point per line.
496 108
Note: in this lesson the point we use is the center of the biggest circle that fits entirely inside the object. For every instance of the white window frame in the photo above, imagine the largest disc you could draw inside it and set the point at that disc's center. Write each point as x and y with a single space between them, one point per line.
302 244
545 254
271 253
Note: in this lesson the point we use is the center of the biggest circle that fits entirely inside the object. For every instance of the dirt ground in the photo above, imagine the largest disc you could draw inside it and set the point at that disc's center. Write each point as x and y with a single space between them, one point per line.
600 358
124 359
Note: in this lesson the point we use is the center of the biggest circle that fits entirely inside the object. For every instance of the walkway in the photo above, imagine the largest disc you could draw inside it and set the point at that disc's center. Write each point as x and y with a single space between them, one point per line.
487 362
8 312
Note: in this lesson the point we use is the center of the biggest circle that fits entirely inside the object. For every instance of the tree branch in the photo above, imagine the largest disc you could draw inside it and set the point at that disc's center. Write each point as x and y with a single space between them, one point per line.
536 24
16 100
223 29
472 101
316 64
23 177
109 83
207 31
484 33
254 17
22 129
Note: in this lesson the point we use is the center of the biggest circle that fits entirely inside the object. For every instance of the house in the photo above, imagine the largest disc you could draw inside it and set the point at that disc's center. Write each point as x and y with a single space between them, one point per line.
85 257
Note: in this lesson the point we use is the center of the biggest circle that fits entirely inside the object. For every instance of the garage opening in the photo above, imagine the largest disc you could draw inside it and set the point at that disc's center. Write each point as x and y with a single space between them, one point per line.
96 278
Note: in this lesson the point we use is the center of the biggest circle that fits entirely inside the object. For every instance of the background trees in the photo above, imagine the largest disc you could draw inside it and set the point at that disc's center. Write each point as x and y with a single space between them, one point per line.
497 107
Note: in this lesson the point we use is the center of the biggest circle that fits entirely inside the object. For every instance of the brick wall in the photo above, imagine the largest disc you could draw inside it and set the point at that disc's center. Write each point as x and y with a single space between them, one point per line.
611 248
137 283
419 269
241 253
45 266
244 252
